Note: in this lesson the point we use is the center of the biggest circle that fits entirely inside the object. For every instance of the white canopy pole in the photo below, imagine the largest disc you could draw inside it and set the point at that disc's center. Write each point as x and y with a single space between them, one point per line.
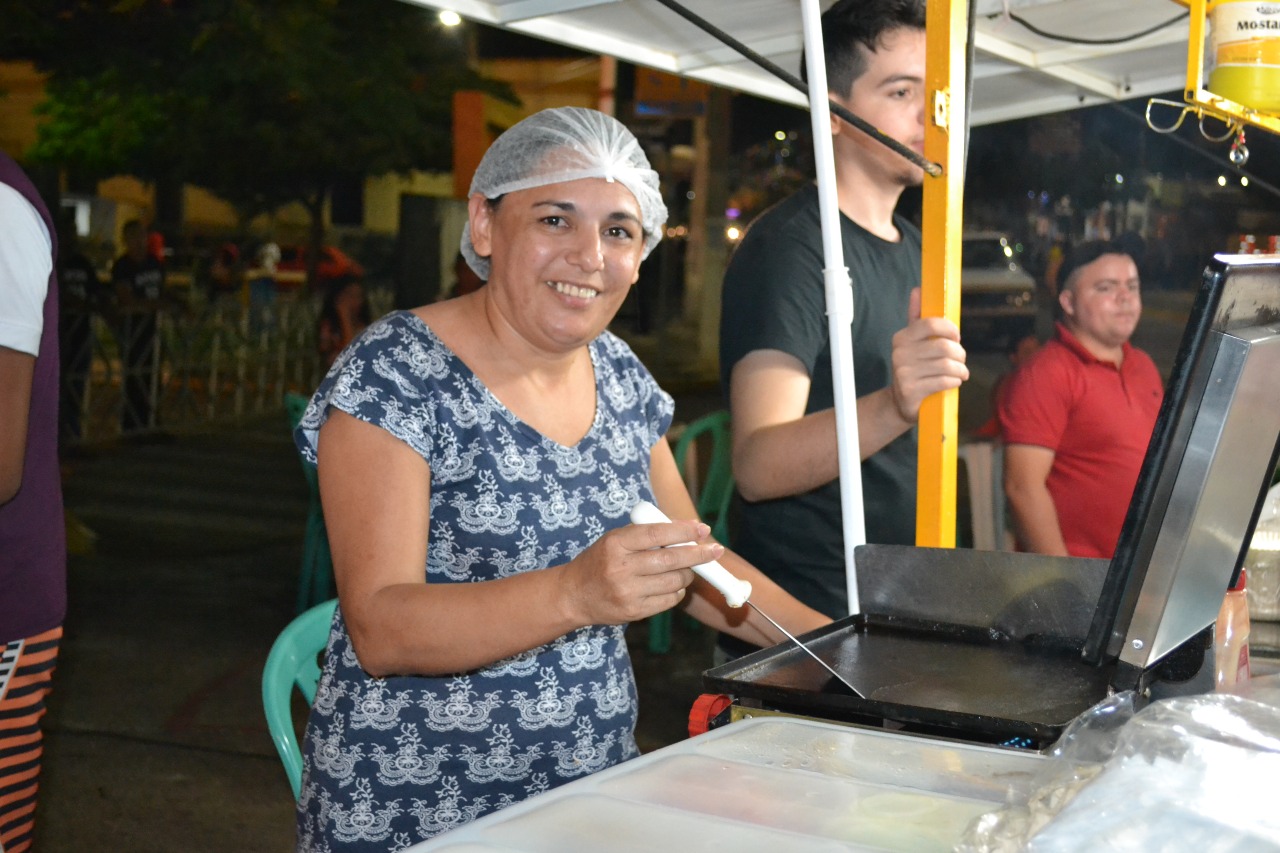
839 300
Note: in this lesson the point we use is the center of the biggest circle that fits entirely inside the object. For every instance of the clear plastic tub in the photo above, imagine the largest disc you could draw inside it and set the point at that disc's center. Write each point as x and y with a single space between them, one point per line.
768 784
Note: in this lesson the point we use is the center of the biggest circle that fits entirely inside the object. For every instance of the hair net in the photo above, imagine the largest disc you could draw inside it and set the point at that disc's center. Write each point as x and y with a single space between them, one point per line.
567 144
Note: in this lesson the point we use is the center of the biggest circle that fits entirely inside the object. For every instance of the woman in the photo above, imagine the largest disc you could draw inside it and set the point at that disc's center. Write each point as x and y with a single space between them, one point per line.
499 440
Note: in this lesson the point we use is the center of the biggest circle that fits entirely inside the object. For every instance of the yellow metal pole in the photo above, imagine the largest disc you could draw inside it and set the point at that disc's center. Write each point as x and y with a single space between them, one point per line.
946 24
1195 50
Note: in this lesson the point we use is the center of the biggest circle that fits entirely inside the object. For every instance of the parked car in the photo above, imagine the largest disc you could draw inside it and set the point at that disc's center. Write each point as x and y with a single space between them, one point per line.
997 296
291 270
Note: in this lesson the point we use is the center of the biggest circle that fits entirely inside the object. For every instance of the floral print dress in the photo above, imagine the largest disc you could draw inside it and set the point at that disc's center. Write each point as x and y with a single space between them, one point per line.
391 761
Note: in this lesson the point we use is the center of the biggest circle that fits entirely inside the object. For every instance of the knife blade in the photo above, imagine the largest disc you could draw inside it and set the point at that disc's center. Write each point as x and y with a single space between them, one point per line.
810 652
735 590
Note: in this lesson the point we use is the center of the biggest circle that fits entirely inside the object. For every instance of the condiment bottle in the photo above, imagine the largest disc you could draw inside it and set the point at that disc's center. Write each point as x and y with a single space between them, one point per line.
1231 637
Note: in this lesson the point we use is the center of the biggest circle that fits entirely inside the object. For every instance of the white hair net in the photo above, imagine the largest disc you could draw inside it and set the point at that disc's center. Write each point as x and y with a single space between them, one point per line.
567 144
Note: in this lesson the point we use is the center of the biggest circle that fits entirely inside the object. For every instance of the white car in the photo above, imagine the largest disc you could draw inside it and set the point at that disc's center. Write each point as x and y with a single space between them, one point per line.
997 296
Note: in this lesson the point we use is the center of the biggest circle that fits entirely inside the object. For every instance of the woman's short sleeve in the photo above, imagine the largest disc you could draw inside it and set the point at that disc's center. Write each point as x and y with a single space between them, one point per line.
659 410
627 376
385 379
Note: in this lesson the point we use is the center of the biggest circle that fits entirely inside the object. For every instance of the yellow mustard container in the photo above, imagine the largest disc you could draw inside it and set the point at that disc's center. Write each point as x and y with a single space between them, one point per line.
1244 49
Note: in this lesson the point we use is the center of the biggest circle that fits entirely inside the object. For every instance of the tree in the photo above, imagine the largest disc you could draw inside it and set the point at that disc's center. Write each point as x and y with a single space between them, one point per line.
261 103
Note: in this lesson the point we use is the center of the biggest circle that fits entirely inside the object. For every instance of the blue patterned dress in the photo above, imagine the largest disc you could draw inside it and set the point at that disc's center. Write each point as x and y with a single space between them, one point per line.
391 761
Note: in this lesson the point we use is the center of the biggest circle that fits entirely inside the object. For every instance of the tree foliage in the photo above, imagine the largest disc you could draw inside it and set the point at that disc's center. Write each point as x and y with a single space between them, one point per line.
261 103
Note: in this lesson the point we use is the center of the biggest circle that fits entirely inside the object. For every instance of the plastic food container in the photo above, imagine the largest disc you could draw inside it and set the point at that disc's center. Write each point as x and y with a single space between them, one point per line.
767 784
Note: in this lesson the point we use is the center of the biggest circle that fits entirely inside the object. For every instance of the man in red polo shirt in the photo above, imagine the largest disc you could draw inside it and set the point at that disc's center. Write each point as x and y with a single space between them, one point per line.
1077 418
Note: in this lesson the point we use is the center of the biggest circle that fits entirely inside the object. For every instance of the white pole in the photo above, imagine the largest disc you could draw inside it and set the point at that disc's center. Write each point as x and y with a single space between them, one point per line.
839 300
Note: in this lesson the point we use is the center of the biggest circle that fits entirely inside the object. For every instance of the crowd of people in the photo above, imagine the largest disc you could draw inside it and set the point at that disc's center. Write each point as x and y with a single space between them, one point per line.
130 295
478 456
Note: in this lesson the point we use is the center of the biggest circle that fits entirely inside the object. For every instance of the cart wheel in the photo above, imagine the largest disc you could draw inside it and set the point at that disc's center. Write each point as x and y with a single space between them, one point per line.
706 712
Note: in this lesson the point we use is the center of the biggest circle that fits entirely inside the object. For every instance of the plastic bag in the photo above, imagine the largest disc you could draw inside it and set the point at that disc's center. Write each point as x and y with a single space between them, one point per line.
1185 773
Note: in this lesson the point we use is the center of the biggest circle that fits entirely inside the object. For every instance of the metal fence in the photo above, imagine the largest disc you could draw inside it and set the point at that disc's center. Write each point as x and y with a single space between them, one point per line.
204 363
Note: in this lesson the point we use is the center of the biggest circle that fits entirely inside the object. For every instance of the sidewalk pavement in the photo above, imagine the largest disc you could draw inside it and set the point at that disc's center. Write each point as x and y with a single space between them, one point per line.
155 736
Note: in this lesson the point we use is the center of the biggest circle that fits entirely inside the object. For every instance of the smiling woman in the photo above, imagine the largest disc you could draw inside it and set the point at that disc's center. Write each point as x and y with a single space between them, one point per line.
478 460
570 259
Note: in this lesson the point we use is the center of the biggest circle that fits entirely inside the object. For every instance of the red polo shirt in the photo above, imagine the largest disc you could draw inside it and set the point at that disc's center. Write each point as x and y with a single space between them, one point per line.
1097 418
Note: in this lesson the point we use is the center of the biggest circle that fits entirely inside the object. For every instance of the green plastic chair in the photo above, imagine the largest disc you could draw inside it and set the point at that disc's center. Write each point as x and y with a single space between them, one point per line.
711 499
315 578
292 662
716 489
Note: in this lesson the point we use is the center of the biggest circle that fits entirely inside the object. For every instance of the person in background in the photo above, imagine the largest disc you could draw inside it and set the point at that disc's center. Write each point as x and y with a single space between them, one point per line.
138 281
1078 416
226 272
262 284
156 247
775 357
478 458
1057 254
33 559
343 315
81 295
1047 304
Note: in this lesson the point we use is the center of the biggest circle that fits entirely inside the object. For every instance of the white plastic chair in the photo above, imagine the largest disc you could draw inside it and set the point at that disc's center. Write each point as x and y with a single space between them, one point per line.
984 465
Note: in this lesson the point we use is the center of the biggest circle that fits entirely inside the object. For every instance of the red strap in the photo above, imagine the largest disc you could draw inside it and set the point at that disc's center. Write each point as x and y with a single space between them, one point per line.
706 708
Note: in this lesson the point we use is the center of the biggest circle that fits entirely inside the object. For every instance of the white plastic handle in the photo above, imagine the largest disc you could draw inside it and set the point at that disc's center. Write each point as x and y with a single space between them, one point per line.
735 591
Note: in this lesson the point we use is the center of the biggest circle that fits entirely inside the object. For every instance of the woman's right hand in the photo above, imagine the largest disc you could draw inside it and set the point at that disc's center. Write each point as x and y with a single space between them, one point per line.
629 574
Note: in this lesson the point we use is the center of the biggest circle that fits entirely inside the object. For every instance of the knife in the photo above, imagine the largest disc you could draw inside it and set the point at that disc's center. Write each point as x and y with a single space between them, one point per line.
736 591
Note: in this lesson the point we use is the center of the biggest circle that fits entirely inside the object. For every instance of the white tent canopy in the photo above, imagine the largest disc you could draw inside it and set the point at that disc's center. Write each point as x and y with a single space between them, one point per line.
1017 72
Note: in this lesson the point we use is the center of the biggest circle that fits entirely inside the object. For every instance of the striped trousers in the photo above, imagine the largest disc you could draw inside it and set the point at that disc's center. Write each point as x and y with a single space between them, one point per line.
26 672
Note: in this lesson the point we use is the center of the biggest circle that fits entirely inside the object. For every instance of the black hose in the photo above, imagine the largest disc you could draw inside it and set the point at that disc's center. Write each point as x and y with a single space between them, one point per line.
795 82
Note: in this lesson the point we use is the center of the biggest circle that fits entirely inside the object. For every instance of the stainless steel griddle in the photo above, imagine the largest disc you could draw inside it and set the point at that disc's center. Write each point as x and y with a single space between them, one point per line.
996 647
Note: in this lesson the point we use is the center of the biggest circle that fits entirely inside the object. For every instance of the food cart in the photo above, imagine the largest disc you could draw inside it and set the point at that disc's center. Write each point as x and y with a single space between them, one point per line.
972 666
972 669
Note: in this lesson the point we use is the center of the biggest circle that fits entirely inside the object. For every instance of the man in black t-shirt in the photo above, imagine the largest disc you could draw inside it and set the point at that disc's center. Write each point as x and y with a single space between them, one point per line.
138 279
775 344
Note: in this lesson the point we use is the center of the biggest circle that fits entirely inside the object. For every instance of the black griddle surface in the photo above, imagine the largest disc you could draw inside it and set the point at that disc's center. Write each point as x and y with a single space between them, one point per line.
951 677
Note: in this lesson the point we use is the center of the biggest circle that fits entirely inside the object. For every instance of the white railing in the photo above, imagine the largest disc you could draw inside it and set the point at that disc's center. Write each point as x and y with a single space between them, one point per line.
212 362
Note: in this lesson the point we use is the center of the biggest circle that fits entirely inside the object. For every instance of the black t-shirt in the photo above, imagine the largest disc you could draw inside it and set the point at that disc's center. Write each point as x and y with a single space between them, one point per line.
81 287
774 298
145 279
145 282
